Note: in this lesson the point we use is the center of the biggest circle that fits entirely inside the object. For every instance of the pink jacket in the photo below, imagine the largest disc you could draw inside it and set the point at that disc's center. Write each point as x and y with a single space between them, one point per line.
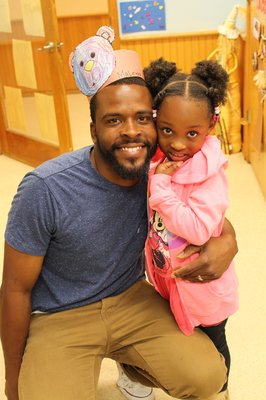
189 207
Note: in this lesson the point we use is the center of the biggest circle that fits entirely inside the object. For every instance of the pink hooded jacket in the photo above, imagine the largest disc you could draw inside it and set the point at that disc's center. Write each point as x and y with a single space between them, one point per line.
189 207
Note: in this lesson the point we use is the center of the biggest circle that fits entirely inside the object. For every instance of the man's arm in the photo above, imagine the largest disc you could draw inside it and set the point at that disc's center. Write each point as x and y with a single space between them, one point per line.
19 276
214 258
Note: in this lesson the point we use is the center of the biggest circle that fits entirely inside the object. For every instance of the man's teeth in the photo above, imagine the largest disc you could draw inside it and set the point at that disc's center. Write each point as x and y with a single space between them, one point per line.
131 149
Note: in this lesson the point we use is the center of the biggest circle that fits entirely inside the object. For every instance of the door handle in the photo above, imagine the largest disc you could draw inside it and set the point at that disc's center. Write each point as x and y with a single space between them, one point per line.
50 46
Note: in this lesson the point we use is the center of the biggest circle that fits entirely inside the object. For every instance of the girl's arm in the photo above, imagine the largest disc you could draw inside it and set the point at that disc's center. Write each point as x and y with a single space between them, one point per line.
197 219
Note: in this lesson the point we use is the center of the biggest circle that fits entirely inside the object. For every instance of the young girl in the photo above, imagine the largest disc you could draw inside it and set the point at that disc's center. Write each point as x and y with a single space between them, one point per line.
188 196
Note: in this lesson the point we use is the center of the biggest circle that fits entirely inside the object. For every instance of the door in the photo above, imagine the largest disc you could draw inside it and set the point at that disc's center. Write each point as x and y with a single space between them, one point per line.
254 148
34 118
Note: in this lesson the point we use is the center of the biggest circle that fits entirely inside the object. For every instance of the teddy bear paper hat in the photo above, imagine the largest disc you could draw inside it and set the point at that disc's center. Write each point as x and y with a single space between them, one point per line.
95 64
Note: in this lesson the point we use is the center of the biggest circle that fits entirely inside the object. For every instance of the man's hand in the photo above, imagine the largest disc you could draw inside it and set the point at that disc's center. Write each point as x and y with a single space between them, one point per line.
11 390
214 257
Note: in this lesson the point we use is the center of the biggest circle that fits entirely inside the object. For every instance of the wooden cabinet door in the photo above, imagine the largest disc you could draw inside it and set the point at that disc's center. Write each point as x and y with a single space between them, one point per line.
254 147
34 119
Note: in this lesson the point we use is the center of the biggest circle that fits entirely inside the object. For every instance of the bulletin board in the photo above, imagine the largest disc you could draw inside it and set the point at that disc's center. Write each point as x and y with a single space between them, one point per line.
140 17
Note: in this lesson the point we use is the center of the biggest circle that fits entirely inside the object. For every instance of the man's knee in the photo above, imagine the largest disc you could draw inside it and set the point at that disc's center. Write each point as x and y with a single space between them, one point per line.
201 384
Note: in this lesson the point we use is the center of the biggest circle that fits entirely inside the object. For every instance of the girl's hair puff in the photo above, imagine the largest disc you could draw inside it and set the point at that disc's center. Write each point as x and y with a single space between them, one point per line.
207 81
214 76
158 73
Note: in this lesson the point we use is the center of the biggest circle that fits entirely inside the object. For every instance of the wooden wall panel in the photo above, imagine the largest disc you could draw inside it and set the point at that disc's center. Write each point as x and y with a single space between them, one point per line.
185 50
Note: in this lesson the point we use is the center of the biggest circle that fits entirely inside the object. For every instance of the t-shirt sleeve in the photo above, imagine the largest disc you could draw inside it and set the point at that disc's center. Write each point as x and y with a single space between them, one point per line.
32 217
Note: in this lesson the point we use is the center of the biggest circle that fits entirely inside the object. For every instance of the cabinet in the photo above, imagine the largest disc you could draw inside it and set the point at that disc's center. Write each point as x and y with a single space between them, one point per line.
254 121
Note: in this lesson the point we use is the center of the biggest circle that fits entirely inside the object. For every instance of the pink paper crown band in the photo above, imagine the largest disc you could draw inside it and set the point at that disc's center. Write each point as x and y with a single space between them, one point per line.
95 64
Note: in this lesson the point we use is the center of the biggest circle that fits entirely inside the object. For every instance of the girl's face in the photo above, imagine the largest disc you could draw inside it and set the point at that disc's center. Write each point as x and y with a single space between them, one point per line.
182 126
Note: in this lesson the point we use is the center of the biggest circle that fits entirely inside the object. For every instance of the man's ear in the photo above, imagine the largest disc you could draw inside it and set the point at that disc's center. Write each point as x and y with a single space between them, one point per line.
93 132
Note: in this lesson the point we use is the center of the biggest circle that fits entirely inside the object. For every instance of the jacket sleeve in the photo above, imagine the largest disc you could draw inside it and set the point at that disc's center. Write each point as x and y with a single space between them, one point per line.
196 219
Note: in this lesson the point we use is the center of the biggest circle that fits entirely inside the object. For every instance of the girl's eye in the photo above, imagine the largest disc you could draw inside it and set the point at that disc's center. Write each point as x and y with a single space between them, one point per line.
192 134
167 131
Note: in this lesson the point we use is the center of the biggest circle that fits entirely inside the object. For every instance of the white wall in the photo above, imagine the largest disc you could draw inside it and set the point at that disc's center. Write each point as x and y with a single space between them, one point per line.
197 15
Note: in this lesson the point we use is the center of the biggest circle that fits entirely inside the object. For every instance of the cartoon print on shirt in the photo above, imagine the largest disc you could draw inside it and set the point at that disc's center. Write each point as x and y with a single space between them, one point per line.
161 240
159 243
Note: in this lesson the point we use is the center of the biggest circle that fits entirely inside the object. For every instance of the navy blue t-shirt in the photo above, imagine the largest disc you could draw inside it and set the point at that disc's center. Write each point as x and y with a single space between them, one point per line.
90 231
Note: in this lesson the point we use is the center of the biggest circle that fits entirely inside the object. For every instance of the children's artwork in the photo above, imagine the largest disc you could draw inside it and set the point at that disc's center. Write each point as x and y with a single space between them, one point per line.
24 63
5 25
32 17
15 109
256 28
142 16
47 117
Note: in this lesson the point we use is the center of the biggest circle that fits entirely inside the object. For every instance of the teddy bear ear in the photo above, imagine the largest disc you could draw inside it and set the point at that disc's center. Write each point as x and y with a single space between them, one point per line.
107 33
71 61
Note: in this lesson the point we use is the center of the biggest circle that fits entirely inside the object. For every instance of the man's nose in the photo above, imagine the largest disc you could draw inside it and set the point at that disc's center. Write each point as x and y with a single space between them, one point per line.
131 128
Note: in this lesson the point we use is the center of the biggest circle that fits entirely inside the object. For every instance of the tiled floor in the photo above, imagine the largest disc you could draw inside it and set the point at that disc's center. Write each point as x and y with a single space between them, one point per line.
246 329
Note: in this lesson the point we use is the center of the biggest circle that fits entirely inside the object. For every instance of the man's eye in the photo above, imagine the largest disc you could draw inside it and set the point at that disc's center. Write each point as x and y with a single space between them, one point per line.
113 121
144 118
167 131
192 134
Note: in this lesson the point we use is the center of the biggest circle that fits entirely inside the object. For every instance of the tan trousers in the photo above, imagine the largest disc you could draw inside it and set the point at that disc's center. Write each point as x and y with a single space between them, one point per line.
64 350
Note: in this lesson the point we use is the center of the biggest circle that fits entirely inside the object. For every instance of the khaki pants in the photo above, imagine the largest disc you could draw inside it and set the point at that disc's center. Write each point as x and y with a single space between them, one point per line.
64 350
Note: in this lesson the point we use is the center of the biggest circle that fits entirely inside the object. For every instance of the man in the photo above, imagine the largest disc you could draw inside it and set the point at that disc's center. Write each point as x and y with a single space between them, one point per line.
73 289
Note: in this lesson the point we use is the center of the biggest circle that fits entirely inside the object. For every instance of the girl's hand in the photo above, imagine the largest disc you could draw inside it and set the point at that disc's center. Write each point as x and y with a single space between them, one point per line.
168 167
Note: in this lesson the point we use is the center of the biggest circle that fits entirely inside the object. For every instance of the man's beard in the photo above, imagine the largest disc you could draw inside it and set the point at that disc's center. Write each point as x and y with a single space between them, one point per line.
124 172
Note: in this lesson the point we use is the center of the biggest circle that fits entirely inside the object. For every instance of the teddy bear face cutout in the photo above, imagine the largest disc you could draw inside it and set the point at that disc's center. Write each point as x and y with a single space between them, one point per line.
93 61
